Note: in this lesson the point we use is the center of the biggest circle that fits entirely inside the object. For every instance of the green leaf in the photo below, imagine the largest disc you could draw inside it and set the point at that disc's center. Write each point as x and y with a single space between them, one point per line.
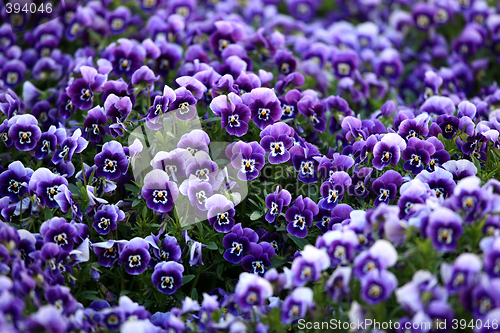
256 215
301 242
187 278
209 120
194 294
220 269
212 246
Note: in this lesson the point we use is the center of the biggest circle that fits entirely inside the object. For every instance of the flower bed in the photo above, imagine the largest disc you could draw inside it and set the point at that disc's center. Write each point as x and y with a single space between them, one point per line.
260 166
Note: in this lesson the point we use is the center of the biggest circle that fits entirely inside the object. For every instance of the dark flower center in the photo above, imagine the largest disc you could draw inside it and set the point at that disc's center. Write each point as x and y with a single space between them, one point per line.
112 252
233 120
160 196
201 197
192 150
124 64
440 192
86 95
14 186
423 21
459 280
299 221
184 108
64 151
104 224
113 320
386 157
223 218
277 148
448 128
134 260
307 168
24 137
325 220
247 165
333 195
274 243
360 188
61 239
258 267
274 208
52 191
237 248
109 165
164 64
344 69
484 304
416 160
340 253
202 175
167 282
69 105
369 265
252 298
411 134
288 110
263 114
285 68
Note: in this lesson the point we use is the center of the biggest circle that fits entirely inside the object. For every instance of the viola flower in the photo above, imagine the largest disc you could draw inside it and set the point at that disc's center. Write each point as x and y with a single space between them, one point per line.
389 65
82 90
127 57
310 264
491 250
70 145
381 256
264 105
469 198
184 104
304 162
285 62
252 290
414 128
226 33
58 231
258 259
192 84
13 72
460 169
168 250
161 104
144 76
440 157
234 114
220 213
135 256
236 245
449 125
360 180
108 252
388 151
296 304
117 108
45 185
248 158
462 274
417 154
423 15
345 63
14 181
440 181
159 192
64 199
276 139
333 189
314 111
194 141
340 245
167 276
111 162
170 55
337 285
118 19
201 167
24 132
300 216
377 286
173 163
106 217
93 124
289 104
444 228
275 202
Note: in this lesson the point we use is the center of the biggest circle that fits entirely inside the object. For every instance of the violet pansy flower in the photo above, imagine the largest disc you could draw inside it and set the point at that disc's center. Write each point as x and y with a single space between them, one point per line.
234 114
264 105
111 162
167 276
159 192
252 290
417 154
275 202
300 216
220 213
106 217
388 150
58 231
444 229
14 181
237 245
24 132
82 90
377 286
258 259
135 256
276 140
248 158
